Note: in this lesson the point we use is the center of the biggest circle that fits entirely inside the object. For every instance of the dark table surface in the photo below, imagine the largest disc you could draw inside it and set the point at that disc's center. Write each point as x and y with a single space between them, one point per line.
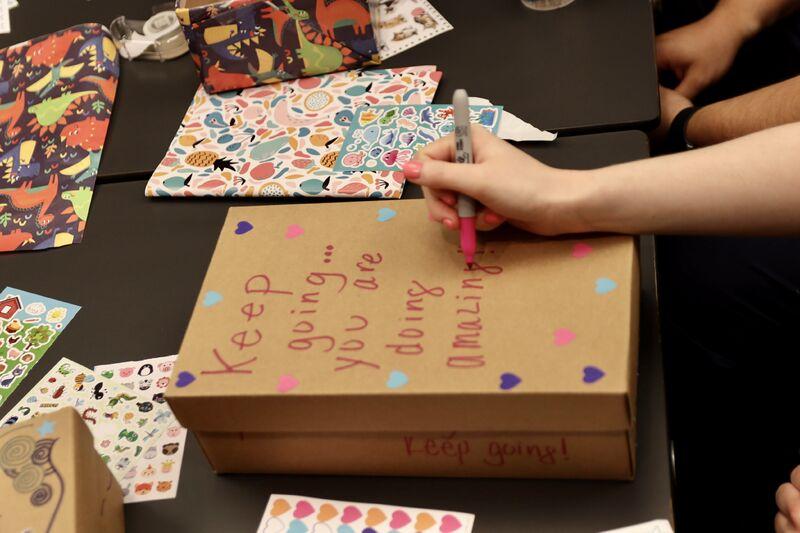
587 67
137 274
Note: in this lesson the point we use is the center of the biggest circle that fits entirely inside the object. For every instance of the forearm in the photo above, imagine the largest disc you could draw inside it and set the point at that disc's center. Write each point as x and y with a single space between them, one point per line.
752 16
748 186
728 119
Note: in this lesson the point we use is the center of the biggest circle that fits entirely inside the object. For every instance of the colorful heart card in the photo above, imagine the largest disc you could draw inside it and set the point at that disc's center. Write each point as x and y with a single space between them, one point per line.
157 471
125 423
386 137
289 513
29 325
283 139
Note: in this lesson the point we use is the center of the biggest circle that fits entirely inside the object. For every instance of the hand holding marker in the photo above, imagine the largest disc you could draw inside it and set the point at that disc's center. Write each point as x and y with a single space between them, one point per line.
466 205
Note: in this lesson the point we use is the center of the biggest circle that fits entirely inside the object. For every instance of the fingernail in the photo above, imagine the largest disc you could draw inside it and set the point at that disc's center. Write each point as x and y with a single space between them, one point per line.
492 218
449 201
412 169
449 223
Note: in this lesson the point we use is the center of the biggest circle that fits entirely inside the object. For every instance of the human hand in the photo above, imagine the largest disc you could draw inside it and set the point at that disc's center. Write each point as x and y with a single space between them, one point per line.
672 103
788 499
700 53
509 184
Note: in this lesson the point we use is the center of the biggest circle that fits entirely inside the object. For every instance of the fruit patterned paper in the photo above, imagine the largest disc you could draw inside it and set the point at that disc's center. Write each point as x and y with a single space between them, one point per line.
56 94
386 137
403 24
289 513
283 139
29 325
242 43
158 470
125 423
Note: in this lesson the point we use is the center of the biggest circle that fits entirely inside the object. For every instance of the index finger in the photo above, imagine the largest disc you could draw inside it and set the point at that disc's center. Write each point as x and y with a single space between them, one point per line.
442 149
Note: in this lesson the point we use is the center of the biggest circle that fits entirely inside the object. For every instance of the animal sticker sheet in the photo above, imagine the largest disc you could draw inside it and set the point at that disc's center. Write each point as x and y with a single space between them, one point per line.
125 424
157 471
403 24
56 95
386 137
283 139
29 325
294 514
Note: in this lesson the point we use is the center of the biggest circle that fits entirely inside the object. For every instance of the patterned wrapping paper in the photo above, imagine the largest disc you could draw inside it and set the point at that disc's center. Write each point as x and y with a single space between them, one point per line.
56 95
284 139
243 43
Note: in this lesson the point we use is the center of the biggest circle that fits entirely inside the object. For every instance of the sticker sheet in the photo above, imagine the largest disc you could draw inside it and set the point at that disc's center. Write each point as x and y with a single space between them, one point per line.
386 137
283 139
29 325
289 513
403 24
56 95
157 471
126 424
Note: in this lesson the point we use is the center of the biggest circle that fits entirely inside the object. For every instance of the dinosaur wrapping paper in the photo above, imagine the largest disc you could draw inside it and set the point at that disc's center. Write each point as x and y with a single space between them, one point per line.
350 339
286 513
158 470
53 479
29 325
126 424
56 95
242 43
283 139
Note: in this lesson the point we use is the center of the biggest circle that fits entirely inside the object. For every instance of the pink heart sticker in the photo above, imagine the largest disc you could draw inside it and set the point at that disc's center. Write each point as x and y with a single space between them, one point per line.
294 231
303 509
449 523
563 336
580 250
287 382
399 519
350 514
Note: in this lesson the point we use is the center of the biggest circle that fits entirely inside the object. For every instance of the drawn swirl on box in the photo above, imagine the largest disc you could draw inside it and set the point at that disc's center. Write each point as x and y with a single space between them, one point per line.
28 462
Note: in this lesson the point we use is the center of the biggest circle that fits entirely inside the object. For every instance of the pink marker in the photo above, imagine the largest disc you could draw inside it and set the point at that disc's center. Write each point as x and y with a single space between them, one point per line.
466 205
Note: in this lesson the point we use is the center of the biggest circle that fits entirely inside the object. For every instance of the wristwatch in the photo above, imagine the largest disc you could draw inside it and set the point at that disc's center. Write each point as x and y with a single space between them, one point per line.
676 136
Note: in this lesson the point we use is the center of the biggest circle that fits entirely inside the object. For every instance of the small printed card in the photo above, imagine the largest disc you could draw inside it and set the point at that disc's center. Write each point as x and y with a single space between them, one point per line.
288 513
125 423
654 526
386 137
29 324
403 24
157 471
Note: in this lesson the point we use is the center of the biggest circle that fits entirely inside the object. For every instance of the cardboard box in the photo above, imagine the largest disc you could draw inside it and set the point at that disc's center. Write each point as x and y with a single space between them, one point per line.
52 479
350 339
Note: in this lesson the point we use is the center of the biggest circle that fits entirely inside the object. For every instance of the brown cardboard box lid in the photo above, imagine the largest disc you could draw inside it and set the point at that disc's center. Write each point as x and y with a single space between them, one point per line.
362 316
52 479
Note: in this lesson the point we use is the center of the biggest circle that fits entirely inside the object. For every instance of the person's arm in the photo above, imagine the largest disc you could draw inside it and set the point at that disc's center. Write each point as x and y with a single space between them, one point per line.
728 119
700 53
748 186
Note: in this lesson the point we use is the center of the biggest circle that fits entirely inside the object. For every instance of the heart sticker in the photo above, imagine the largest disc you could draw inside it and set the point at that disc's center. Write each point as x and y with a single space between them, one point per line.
374 517
344 528
399 519
604 285
385 213
243 227
563 336
286 383
580 250
211 298
184 378
508 381
424 521
326 512
592 374
297 526
396 379
294 231
350 514
449 523
303 509
279 507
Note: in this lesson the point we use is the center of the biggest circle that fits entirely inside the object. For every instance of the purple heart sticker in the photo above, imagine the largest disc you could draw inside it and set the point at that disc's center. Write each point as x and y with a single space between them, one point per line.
592 374
184 378
243 227
508 381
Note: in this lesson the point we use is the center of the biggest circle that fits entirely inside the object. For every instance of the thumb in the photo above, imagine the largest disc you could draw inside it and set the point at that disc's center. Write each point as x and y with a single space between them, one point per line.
691 84
467 179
